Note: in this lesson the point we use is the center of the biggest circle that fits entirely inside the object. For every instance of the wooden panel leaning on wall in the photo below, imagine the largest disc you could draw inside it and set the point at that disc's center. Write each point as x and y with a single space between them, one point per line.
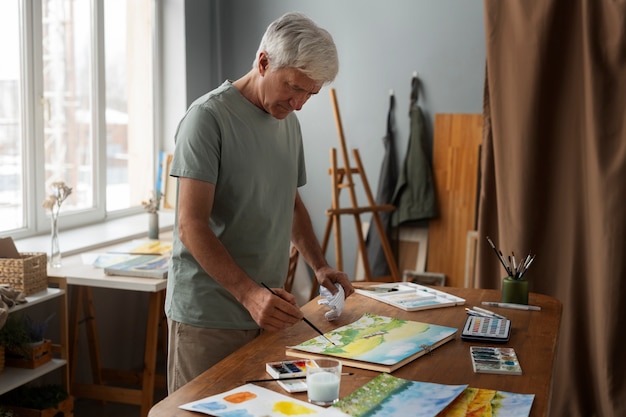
456 164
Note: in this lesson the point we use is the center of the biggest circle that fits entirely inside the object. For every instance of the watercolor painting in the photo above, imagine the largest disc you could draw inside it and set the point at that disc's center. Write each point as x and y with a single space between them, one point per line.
489 403
253 401
378 340
387 396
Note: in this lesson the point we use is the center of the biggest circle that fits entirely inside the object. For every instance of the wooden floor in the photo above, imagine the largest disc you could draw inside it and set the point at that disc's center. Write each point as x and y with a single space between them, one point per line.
84 407
91 408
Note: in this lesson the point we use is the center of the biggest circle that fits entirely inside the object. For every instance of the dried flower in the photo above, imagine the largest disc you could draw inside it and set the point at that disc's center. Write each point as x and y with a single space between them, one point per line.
153 203
60 192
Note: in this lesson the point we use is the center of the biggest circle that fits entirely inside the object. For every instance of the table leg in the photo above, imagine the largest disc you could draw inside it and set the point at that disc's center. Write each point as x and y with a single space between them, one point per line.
75 305
82 299
150 355
92 334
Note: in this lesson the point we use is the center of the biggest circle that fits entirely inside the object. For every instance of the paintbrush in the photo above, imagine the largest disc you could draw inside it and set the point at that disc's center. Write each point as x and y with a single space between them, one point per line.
303 318
291 378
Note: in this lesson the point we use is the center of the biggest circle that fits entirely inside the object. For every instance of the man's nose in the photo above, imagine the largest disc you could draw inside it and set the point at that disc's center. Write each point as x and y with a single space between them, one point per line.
298 101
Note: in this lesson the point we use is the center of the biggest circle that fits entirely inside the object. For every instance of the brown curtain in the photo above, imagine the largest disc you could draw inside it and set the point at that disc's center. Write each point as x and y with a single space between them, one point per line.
554 181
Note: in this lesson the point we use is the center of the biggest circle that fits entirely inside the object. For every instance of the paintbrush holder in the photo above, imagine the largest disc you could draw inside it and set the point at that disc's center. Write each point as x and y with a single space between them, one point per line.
514 290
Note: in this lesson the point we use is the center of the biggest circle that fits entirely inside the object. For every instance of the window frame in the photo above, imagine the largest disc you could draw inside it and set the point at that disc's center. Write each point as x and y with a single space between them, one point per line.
36 219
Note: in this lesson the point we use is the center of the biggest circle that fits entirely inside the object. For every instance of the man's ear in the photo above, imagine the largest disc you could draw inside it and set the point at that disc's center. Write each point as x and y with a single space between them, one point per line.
263 63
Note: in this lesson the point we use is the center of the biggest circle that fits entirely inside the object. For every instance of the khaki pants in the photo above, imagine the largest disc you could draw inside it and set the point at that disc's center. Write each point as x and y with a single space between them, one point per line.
192 350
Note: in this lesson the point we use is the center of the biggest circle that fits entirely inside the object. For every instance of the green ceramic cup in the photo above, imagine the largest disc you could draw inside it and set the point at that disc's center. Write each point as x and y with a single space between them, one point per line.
514 290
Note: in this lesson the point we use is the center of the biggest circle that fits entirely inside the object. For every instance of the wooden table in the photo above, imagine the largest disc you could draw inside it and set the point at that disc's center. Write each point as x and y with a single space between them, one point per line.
534 336
84 278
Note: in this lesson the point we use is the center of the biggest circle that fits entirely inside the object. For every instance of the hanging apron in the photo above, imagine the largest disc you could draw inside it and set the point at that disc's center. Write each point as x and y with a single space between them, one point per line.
414 195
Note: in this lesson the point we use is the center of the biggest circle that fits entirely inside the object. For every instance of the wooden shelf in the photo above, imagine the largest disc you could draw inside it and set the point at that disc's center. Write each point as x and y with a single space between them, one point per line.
11 378
40 297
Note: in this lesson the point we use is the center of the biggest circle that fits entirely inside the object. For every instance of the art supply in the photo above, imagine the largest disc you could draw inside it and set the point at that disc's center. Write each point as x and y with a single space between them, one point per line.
486 329
286 369
488 312
519 268
290 378
303 318
493 360
409 296
293 384
477 313
500 257
510 305
474 313
289 375
323 378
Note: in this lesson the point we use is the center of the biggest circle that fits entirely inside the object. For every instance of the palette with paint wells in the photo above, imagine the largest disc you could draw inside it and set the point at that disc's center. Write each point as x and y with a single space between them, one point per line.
409 296
290 375
494 360
286 369
486 329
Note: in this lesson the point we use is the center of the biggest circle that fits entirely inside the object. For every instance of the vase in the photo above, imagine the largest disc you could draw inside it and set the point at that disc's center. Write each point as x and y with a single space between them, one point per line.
153 225
514 291
55 250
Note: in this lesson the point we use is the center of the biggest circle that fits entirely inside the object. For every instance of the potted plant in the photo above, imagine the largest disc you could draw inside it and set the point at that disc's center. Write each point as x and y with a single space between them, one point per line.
6 413
13 335
38 400
35 330
23 339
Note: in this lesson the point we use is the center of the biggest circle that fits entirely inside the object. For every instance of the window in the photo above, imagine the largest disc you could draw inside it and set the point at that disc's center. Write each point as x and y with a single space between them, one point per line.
76 105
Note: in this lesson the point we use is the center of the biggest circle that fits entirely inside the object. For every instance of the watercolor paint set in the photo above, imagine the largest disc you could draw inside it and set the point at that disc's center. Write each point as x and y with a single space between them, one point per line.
486 329
494 360
409 296
290 375
286 369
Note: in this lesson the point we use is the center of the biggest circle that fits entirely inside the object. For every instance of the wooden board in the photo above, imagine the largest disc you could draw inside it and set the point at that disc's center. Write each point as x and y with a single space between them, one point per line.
456 153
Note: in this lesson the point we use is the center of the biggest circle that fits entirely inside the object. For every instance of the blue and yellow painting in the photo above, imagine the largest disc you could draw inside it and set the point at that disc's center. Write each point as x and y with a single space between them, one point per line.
378 339
389 396
253 401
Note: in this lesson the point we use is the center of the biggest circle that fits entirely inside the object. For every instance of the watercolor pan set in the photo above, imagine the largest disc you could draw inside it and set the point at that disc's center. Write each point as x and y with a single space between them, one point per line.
409 296
486 329
493 360
290 375
286 369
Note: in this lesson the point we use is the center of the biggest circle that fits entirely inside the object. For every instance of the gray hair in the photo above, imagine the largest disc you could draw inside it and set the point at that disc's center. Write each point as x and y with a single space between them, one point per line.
293 40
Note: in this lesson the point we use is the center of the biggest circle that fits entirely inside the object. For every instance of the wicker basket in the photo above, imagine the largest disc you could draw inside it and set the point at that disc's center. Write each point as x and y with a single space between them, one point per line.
28 274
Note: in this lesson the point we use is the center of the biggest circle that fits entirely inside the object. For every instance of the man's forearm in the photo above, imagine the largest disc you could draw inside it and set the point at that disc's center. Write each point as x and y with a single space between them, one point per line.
215 259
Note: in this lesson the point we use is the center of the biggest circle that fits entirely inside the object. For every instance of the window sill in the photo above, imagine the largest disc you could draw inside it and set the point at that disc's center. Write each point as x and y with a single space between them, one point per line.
82 239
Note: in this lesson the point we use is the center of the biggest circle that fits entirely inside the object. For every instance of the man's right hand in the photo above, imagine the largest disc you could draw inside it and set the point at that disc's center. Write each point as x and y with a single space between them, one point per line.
272 311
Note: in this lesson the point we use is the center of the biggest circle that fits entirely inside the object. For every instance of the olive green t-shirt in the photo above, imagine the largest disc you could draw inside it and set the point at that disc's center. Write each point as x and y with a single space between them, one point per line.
256 163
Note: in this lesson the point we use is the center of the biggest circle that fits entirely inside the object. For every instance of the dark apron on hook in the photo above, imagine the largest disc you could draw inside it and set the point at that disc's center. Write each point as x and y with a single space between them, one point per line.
414 195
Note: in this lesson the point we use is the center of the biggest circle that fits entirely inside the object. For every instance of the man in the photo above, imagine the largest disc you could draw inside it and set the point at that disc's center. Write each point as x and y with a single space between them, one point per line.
239 161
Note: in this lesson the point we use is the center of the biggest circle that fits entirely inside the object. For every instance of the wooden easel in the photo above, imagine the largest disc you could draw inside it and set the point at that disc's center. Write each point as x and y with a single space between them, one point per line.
342 178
